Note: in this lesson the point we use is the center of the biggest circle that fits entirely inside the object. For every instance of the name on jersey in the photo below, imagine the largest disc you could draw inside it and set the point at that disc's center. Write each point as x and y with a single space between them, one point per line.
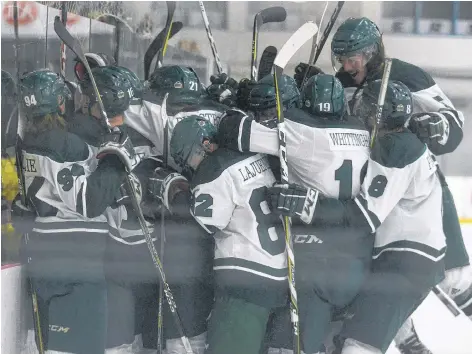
254 168
341 140
31 165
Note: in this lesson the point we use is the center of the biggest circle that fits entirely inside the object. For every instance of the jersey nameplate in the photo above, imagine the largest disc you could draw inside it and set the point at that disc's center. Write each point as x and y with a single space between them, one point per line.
31 166
254 169
343 139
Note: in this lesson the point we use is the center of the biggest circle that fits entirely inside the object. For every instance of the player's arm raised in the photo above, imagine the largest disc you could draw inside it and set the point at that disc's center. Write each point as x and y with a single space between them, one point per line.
435 120
240 132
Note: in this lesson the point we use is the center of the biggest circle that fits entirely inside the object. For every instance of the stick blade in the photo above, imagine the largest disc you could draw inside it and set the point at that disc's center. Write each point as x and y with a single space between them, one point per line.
67 38
295 42
267 62
273 14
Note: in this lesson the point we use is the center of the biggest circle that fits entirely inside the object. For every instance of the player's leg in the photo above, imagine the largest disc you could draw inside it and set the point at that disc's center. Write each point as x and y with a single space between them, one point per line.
407 340
383 305
194 302
458 281
236 326
68 280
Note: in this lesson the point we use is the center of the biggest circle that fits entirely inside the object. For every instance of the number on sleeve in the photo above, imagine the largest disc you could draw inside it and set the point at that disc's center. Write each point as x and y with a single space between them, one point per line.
344 175
202 206
267 224
377 186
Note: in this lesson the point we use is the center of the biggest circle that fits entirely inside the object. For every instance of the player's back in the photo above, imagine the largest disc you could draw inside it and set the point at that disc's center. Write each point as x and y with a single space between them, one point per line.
402 197
229 200
326 154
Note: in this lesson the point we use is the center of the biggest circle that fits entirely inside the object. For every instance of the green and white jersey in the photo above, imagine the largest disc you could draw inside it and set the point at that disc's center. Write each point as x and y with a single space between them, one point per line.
401 198
229 201
322 154
64 185
427 97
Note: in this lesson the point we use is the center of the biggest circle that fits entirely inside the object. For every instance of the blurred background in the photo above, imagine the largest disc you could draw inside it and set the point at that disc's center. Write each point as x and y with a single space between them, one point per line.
436 35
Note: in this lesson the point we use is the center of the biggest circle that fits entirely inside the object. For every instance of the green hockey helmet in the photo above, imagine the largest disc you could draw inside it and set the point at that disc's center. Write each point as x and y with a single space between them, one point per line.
42 92
114 88
323 96
262 100
137 86
192 138
355 37
397 108
181 82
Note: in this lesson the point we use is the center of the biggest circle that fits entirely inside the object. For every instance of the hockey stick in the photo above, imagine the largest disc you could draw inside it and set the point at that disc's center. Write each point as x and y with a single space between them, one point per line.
295 42
157 43
271 14
318 45
210 37
267 62
167 30
75 46
21 176
63 47
381 100
160 315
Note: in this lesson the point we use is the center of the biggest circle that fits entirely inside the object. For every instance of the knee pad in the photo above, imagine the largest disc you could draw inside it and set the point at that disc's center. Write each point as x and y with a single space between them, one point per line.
175 346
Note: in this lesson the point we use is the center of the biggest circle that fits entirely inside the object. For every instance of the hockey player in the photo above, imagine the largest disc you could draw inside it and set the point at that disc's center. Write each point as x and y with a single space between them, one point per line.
327 150
69 192
358 52
128 260
401 201
228 201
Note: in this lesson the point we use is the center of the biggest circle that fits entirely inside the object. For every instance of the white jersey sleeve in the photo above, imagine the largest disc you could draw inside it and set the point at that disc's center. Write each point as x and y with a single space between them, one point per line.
213 203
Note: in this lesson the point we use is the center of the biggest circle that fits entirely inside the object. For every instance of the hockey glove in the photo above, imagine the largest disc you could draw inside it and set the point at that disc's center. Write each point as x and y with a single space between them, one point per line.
119 144
293 200
300 73
166 184
430 126
234 128
223 89
244 89
123 197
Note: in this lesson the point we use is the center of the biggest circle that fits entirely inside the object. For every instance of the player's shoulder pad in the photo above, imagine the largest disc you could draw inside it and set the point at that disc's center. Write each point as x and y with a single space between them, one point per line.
58 145
215 164
299 116
397 150
87 128
415 78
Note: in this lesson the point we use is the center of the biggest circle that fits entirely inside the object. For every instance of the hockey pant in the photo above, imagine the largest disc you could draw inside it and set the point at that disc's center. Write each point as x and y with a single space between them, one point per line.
79 310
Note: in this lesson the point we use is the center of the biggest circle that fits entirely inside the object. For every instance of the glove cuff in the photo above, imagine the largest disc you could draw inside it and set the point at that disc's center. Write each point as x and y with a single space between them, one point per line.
172 180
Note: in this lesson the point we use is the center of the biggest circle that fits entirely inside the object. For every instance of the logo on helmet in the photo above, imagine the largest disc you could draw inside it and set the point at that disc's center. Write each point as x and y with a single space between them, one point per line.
307 103
120 94
178 85
400 108
201 123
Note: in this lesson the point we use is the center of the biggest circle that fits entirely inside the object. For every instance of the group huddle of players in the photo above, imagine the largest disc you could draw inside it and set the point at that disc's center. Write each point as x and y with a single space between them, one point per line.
370 226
